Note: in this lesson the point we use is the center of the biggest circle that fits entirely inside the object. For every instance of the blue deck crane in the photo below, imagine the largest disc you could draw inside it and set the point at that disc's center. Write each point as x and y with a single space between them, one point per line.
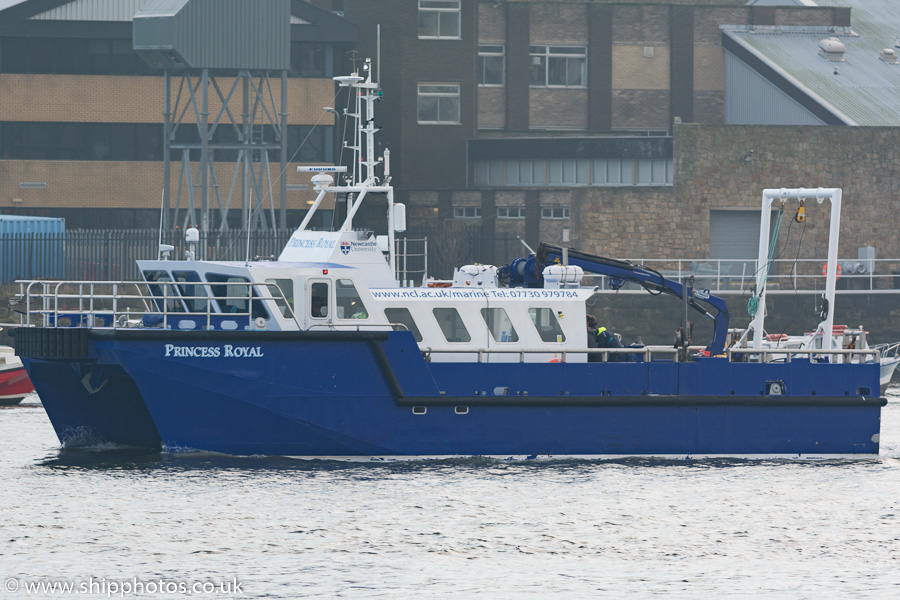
527 272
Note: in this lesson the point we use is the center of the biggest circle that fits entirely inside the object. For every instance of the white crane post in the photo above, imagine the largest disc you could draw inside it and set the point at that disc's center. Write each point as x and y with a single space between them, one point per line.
826 326
758 323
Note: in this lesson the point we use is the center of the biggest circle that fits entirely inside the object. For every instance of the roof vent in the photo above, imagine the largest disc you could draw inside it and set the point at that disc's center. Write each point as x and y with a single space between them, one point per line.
832 49
889 56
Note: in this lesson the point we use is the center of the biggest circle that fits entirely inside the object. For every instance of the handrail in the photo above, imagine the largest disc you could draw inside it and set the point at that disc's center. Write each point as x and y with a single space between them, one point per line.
764 354
154 303
647 352
804 276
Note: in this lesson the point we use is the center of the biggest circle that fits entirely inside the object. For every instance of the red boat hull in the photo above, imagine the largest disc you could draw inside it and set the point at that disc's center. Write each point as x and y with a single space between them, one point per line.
14 385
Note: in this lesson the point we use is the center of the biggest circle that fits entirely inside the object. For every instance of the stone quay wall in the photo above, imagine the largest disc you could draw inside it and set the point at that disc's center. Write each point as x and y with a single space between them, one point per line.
725 167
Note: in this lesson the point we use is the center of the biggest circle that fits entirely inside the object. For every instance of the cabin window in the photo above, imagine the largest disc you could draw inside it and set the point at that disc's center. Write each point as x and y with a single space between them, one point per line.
286 287
164 291
403 317
499 325
196 297
232 293
349 304
452 325
546 324
318 300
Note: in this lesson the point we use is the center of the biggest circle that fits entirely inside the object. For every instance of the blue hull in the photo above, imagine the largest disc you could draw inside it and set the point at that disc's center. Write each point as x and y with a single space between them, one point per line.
90 403
373 395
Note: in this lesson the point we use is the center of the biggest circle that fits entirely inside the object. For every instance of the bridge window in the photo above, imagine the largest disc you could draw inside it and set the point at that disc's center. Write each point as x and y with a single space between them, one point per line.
499 325
318 300
349 304
195 297
286 287
546 324
452 325
403 317
167 292
232 293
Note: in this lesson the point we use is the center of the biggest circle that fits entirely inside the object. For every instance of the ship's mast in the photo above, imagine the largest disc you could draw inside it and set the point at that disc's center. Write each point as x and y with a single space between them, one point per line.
362 178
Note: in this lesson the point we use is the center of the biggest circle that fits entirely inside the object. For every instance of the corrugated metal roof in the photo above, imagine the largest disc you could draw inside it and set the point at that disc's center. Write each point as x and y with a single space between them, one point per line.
162 8
216 34
93 10
781 3
865 90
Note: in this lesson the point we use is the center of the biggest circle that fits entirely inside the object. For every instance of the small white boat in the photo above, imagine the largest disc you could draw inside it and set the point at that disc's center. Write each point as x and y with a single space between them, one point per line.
843 337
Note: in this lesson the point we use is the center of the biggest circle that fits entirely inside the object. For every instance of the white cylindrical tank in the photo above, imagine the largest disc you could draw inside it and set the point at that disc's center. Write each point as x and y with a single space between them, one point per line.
561 275
399 217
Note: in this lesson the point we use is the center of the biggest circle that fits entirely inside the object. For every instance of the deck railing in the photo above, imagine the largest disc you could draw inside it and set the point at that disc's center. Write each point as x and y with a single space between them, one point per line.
724 277
124 304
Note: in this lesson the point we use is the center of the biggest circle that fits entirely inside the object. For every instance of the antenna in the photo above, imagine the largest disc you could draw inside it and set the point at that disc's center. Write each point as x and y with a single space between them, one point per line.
162 210
362 178
249 225
354 56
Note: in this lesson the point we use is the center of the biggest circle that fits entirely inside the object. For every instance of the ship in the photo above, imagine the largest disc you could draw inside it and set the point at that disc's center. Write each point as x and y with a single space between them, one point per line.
14 382
325 353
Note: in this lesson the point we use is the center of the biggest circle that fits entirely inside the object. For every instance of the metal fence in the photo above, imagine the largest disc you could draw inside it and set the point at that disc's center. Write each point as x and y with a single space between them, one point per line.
94 255
108 255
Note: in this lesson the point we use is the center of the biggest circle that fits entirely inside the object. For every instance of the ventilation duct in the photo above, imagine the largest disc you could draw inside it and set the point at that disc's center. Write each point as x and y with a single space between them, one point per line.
832 49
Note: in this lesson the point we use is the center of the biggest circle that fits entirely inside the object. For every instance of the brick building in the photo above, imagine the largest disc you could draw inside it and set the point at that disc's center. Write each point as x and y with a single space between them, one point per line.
81 114
506 118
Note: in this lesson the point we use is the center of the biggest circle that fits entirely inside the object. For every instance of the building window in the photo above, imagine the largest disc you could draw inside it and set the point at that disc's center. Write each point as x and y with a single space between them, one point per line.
558 66
613 171
525 172
510 212
568 171
656 171
466 212
554 212
487 172
491 65
68 56
439 19
307 59
439 103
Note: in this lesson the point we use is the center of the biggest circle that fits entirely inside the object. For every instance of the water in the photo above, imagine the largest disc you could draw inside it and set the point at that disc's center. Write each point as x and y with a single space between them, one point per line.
284 528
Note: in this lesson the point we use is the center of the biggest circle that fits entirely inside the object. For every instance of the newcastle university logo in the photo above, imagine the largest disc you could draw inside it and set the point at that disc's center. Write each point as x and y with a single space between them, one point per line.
345 247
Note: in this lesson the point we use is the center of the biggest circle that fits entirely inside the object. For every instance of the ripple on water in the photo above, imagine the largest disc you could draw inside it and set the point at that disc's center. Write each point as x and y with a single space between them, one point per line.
288 528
